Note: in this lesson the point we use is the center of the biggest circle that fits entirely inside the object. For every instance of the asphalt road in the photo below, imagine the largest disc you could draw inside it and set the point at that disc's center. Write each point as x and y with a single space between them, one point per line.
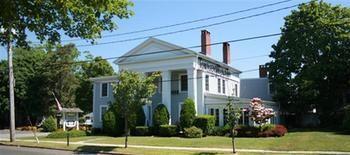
13 150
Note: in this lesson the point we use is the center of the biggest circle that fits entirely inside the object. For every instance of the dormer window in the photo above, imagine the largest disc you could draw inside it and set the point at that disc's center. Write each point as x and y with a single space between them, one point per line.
223 86
219 85
207 82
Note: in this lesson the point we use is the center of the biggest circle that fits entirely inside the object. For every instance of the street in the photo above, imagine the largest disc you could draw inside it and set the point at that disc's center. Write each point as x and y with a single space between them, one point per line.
13 150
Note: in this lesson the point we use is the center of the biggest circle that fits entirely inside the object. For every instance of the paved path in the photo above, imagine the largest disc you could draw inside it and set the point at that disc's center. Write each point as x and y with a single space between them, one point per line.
5 134
13 150
198 149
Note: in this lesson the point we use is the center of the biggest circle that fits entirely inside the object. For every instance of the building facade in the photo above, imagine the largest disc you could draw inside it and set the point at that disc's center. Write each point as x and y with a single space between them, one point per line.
184 74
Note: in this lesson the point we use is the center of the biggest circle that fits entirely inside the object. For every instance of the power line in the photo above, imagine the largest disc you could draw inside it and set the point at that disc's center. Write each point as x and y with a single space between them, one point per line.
189 29
178 49
188 22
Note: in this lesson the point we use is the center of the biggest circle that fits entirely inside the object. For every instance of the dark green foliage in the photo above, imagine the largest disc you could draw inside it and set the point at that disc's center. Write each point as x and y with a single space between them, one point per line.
50 124
205 122
167 130
141 131
63 134
94 67
310 66
264 131
109 123
193 132
221 131
160 116
140 117
188 113
346 121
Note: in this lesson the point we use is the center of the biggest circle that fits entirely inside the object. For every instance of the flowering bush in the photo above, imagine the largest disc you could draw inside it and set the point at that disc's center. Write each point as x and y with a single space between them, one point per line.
279 130
259 113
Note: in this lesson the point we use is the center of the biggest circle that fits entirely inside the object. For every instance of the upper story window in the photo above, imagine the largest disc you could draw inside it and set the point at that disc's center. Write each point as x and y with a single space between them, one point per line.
183 82
207 82
223 86
219 85
104 89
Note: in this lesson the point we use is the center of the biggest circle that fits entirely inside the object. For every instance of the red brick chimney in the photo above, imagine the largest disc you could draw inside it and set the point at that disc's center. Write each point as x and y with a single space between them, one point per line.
226 53
262 71
205 42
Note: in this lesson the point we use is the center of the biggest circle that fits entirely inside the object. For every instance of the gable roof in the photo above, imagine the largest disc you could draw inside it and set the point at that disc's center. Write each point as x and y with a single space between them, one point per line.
173 47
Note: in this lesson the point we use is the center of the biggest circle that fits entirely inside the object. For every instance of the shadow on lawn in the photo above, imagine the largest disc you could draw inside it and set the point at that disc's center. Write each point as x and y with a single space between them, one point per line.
335 131
206 153
95 149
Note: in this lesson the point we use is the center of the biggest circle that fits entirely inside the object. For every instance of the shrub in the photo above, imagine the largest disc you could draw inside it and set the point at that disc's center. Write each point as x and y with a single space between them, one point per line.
193 132
279 130
205 122
160 116
140 117
141 131
266 127
346 120
188 113
109 123
247 131
221 131
63 134
167 130
50 124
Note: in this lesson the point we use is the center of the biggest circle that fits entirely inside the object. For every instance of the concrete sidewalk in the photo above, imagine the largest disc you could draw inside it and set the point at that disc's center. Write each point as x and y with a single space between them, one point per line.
5 134
194 148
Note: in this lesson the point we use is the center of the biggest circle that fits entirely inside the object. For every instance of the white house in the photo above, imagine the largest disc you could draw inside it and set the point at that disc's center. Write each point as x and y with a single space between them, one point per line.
184 73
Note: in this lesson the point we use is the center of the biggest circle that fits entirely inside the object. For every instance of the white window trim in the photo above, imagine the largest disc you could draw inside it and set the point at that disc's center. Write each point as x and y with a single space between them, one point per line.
102 106
102 88
218 85
180 83
223 82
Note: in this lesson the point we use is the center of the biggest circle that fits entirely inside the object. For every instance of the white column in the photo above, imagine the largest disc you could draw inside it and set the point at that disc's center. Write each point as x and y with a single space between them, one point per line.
166 91
192 85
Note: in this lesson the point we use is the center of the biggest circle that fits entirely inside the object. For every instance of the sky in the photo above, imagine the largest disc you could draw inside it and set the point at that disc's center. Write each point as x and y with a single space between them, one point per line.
155 13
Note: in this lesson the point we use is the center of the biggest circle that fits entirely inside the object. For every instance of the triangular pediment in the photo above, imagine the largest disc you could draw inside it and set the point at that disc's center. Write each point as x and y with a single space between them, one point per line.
154 49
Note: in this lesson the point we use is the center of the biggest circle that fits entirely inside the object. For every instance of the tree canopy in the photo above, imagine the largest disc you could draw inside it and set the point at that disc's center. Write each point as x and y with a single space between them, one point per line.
47 18
311 60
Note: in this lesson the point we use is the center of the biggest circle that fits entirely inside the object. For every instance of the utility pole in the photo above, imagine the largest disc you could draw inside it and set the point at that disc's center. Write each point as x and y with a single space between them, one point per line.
11 86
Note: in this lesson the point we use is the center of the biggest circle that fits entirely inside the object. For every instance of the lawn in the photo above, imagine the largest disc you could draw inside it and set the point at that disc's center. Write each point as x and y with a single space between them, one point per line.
293 141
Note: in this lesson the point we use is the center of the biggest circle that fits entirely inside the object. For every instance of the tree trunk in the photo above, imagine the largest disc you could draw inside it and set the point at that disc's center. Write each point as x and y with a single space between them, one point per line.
126 131
233 141
11 89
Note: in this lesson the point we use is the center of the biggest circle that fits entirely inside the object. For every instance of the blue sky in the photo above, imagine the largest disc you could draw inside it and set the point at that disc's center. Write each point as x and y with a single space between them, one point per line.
154 13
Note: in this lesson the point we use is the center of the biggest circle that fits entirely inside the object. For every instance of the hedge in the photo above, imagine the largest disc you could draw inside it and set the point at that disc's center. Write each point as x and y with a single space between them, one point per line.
109 123
187 114
63 134
167 130
205 122
50 124
141 131
193 132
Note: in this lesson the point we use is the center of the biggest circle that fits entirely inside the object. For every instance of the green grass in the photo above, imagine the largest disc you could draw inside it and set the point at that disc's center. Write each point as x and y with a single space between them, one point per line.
294 141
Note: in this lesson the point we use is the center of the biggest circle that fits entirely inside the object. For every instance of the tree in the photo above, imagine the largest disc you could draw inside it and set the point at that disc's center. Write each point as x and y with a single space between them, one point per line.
76 18
187 114
233 115
132 91
259 113
93 67
310 66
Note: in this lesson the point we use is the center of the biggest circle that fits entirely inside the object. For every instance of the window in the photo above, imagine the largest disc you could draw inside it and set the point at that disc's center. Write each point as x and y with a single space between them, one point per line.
225 116
219 86
183 82
246 116
236 90
180 108
211 111
104 89
223 86
207 82
103 109
217 117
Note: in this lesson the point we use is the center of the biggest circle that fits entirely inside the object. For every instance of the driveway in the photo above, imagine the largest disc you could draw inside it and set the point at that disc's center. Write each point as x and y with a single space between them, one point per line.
5 134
